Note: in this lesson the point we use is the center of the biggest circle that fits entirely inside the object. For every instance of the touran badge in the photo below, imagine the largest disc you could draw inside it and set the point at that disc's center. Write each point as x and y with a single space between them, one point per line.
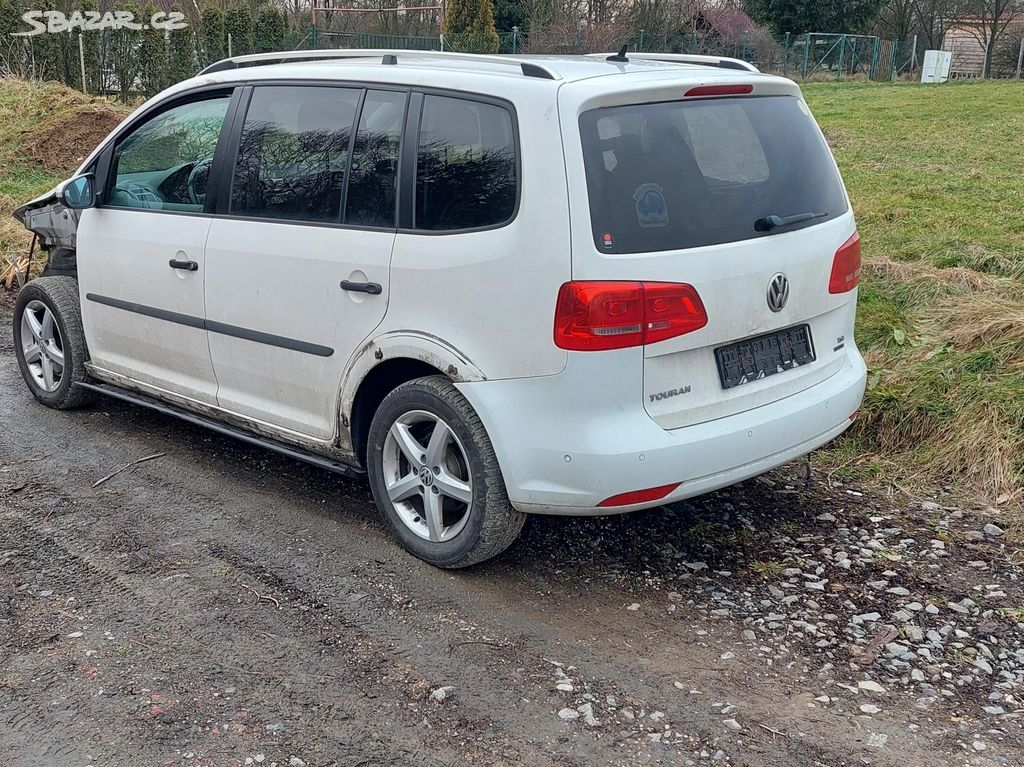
778 292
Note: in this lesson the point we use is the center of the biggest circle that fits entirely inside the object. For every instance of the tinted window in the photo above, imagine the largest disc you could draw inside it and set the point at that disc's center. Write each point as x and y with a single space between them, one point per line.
165 163
293 153
466 166
688 174
370 200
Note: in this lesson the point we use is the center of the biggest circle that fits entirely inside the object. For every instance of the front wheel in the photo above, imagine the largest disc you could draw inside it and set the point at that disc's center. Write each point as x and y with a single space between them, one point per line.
435 477
49 342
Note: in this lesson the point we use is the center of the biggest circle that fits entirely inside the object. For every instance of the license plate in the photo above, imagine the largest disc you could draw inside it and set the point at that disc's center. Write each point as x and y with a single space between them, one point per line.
764 356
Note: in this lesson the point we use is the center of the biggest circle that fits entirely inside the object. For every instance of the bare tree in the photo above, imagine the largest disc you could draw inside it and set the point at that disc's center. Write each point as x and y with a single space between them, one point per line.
933 18
986 21
897 19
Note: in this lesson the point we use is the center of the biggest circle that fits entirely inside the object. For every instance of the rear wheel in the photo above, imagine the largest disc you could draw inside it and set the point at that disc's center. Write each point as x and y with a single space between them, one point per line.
49 342
435 477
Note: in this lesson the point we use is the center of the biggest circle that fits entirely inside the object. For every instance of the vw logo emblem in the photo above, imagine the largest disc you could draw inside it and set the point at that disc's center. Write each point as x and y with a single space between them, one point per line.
778 292
426 476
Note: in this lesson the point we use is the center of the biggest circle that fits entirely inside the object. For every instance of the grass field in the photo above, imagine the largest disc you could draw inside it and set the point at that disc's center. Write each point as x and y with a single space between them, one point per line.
936 174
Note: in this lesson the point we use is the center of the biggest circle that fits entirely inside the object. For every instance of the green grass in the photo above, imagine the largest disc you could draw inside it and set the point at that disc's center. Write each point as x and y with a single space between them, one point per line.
935 175
38 121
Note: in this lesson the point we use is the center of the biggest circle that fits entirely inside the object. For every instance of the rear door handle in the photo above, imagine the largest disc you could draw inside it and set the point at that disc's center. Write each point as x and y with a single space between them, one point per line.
373 288
188 266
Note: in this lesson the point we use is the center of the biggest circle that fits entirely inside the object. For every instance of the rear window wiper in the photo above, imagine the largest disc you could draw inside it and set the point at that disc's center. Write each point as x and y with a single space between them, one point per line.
768 223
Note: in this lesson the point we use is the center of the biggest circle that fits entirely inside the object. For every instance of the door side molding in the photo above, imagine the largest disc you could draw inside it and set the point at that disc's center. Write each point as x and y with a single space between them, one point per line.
247 334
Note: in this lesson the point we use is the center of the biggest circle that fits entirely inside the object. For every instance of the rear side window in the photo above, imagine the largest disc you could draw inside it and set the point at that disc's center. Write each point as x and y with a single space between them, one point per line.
373 178
687 174
466 165
293 153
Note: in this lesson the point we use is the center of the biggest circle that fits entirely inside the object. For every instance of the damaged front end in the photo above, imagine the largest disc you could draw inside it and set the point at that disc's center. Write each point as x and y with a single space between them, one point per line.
55 226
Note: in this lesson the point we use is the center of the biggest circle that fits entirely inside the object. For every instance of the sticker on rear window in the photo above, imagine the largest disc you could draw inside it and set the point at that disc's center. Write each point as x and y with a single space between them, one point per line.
651 211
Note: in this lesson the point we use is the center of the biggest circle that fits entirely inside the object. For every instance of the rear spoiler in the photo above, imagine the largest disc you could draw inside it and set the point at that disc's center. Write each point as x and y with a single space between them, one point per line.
720 62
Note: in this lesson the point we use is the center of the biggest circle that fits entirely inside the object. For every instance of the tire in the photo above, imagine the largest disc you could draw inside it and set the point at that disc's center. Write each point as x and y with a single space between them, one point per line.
56 315
463 533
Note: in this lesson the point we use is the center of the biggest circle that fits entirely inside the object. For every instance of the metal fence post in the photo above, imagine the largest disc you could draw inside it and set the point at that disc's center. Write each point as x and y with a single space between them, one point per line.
874 59
1020 57
640 45
913 56
807 53
515 39
895 55
842 55
785 56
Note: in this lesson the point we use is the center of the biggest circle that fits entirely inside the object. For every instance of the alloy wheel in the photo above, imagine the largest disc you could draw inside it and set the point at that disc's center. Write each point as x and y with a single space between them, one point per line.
42 346
427 476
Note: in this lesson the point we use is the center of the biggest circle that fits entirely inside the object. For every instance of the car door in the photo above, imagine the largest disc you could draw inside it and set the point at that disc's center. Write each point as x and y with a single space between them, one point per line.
297 267
141 267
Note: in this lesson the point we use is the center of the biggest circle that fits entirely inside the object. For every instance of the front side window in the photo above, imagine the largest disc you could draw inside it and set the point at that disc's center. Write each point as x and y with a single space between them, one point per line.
687 174
293 153
466 165
165 163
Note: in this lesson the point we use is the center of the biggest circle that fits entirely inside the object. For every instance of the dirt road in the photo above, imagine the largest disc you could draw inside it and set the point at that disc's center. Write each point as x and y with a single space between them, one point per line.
220 605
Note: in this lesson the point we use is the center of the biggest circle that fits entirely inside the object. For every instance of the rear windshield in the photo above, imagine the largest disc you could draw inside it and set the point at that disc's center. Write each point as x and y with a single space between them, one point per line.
686 174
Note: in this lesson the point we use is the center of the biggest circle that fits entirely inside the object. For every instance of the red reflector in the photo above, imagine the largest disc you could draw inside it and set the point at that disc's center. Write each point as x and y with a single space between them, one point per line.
719 90
639 496
846 266
597 316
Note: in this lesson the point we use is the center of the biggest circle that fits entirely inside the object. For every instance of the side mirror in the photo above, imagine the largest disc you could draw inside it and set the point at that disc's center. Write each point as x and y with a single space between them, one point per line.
78 192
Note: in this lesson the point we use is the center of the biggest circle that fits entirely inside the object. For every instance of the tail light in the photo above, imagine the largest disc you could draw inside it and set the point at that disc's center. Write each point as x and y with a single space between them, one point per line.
596 316
846 267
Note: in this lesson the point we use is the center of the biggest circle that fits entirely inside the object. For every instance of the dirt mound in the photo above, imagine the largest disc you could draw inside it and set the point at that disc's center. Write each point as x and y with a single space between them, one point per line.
62 142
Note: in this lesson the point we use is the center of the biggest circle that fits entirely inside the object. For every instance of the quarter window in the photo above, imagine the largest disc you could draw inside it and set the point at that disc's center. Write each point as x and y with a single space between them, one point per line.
165 163
466 165
370 200
293 153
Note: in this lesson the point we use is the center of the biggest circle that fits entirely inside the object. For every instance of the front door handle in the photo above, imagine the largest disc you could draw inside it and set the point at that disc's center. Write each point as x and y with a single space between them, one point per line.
373 288
188 266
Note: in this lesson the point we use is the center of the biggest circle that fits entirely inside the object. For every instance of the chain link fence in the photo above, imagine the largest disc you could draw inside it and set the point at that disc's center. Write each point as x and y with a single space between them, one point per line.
135 63
813 56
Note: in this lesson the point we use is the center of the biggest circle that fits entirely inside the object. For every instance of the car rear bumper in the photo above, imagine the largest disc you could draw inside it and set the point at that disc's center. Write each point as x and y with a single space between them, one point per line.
567 442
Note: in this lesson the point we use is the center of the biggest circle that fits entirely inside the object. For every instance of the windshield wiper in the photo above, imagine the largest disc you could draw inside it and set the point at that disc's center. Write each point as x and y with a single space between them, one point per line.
768 223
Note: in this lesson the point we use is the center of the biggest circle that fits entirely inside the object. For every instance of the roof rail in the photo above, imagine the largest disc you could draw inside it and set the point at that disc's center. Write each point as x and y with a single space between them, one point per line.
721 62
387 56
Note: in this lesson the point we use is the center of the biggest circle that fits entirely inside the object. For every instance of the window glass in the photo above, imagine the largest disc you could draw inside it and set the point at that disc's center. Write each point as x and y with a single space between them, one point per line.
725 144
466 168
370 200
293 153
686 174
165 163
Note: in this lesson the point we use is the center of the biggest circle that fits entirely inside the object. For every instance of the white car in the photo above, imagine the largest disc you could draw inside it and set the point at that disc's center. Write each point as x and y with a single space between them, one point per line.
497 286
